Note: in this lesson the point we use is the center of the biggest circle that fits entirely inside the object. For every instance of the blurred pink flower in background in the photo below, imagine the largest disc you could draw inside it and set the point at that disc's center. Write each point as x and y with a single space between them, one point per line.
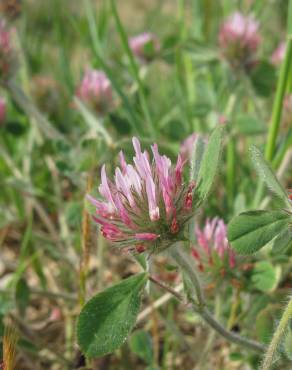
222 119
6 52
187 147
144 46
147 204
2 109
278 54
213 245
95 90
239 38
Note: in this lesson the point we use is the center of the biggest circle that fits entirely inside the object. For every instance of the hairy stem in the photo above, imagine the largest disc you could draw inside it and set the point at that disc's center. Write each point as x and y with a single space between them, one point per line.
186 265
165 287
229 335
189 270
277 337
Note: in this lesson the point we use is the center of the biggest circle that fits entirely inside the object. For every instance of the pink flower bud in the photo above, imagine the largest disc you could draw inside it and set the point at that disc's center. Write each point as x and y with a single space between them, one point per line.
211 241
144 46
278 54
144 207
2 109
95 90
239 39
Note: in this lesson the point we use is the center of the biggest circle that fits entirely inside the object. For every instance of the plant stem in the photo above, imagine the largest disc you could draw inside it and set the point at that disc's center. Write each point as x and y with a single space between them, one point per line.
186 265
211 337
230 171
278 102
282 86
229 335
134 69
278 335
165 287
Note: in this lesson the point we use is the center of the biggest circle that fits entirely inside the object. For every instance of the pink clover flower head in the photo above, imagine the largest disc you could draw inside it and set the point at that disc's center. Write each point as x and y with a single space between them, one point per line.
146 205
213 244
2 109
239 39
95 90
278 54
144 46
7 58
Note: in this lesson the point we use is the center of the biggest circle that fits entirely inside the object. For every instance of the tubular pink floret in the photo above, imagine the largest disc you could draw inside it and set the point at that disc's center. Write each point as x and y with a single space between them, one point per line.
124 186
109 230
151 196
146 236
104 189
123 162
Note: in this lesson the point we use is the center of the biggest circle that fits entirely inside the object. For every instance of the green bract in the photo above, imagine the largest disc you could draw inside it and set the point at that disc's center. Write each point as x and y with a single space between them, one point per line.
209 163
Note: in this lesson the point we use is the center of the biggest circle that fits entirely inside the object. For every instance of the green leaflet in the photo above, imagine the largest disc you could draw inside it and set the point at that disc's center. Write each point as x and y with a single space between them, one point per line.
141 344
283 241
210 163
250 231
267 175
265 276
197 155
106 319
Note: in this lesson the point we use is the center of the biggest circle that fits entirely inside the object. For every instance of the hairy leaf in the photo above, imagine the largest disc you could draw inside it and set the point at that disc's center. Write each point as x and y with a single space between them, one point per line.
106 320
141 345
266 174
210 163
197 155
265 276
283 241
250 231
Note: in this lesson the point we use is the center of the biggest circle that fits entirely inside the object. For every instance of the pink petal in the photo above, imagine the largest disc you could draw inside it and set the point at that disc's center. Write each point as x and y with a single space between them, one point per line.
124 186
104 188
151 196
178 170
123 162
122 211
102 208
